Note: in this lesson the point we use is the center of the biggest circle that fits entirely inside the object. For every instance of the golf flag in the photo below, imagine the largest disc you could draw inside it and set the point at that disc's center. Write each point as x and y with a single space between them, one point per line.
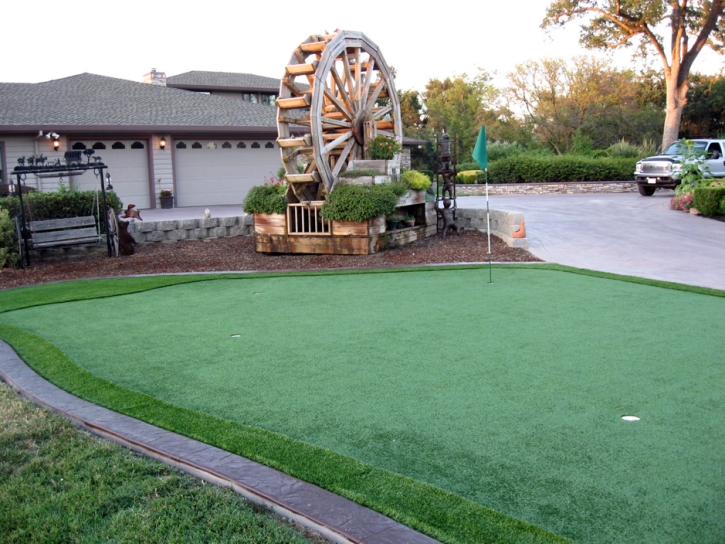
480 155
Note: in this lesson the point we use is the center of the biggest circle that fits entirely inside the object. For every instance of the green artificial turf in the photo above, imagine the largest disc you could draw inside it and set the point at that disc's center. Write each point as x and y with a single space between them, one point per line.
508 395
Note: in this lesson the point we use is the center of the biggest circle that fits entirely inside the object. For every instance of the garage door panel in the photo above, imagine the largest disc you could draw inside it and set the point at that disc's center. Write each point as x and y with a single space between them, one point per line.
129 171
221 176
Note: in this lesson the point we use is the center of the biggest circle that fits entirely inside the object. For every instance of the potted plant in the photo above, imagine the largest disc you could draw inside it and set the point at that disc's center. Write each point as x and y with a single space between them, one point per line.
269 207
382 148
359 209
166 198
409 220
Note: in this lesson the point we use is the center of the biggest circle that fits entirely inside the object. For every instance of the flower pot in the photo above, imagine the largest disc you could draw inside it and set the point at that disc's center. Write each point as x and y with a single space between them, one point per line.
167 202
392 224
410 223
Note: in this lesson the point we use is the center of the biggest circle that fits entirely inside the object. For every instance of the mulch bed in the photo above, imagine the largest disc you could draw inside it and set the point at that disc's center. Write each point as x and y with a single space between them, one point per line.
238 254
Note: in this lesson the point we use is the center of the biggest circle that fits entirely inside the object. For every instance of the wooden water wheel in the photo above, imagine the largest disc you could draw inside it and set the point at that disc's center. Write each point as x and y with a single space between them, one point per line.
340 87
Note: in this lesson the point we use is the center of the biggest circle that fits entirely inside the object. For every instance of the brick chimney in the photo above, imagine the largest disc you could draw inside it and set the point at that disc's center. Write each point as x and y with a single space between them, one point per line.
155 78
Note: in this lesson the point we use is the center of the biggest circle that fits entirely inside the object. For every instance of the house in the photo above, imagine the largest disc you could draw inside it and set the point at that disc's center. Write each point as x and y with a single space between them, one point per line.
207 136
188 136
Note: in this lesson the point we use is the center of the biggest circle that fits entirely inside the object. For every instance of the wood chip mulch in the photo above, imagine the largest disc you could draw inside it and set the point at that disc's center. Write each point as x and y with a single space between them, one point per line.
238 254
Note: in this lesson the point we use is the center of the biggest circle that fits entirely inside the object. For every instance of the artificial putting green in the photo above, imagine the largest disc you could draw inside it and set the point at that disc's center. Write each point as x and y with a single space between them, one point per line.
509 395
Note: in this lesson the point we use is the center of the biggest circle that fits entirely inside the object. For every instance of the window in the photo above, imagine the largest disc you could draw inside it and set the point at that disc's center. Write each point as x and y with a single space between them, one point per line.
241 145
250 97
226 145
211 145
196 145
268 99
79 145
137 145
118 145
99 145
269 145
180 145
255 145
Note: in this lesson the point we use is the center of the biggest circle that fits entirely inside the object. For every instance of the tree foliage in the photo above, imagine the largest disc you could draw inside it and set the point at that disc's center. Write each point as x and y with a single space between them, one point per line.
704 114
582 104
610 24
458 106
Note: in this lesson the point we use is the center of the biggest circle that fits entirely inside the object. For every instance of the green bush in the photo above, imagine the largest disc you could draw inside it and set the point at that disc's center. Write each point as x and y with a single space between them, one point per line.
500 150
428 173
8 241
264 199
623 150
466 166
539 169
60 205
708 200
359 202
468 176
416 180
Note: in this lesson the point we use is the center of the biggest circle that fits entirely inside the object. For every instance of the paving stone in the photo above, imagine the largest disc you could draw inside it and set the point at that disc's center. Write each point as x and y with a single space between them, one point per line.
197 234
166 225
155 236
238 231
174 235
188 224
217 232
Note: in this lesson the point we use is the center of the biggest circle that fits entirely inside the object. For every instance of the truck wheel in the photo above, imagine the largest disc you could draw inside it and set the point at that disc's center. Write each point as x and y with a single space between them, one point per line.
645 190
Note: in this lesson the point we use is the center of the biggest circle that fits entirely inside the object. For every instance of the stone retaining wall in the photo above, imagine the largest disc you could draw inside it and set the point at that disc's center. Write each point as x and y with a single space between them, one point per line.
503 224
190 229
547 188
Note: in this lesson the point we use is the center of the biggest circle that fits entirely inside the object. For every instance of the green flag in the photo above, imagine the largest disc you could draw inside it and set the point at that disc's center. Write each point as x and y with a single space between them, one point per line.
480 155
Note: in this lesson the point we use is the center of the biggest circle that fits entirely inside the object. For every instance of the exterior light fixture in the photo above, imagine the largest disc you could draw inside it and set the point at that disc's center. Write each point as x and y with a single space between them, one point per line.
56 144
162 143
109 187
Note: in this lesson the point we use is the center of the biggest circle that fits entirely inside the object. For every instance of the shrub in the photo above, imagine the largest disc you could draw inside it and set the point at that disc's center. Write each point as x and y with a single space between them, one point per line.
360 202
541 168
8 241
466 166
500 150
416 180
264 199
62 204
383 148
708 200
682 203
623 150
428 173
468 176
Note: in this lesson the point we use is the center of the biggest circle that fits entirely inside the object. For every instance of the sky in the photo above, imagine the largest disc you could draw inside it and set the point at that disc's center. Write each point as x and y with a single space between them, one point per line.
46 40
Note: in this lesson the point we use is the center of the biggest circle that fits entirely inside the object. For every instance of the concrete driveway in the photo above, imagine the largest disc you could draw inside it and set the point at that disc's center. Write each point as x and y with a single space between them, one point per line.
621 233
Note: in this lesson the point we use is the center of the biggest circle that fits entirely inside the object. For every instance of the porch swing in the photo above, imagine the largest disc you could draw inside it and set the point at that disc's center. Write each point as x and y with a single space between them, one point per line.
67 231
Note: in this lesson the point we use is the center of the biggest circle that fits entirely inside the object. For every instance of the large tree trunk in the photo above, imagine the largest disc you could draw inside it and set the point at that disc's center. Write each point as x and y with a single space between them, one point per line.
676 99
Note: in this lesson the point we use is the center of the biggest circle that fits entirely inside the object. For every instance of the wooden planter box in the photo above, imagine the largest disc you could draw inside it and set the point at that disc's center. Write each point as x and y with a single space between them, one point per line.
275 223
412 197
376 225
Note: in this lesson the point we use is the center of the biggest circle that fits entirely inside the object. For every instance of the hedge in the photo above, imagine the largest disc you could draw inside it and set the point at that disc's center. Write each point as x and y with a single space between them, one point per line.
62 204
540 169
709 200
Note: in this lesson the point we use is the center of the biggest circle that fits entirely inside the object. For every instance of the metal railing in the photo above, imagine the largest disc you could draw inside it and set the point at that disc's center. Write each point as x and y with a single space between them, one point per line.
306 219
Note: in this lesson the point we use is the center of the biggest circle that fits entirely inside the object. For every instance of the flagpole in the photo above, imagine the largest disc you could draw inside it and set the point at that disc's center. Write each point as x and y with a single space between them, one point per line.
488 231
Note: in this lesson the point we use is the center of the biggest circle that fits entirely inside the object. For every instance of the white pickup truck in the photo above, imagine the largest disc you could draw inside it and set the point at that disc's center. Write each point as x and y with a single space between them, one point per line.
664 171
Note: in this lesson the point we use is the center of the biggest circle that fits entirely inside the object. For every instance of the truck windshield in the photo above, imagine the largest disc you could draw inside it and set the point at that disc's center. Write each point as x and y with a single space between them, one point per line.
675 149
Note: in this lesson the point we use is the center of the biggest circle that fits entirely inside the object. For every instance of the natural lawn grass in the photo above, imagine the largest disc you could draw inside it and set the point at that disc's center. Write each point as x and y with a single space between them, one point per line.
508 395
59 484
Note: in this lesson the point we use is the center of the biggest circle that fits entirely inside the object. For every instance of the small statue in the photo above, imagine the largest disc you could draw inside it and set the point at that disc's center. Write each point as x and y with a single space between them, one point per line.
30 160
449 222
447 185
21 161
126 241
40 160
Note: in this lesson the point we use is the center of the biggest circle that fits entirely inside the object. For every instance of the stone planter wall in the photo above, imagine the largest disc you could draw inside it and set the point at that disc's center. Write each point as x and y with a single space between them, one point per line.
547 188
190 229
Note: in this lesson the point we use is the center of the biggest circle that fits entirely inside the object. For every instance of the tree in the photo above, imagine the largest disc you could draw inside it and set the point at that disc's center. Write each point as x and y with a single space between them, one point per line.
411 113
584 101
458 106
704 114
611 24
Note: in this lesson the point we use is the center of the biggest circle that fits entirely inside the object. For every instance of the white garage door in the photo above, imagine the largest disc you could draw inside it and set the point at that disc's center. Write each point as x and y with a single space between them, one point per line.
217 172
127 162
